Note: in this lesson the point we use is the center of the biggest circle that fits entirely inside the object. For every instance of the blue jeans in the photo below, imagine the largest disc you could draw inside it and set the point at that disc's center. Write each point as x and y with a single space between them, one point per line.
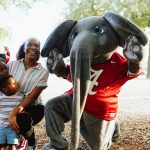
8 136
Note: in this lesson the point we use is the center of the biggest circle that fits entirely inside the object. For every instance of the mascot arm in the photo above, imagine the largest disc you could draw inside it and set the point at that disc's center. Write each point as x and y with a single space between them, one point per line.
133 52
134 67
55 65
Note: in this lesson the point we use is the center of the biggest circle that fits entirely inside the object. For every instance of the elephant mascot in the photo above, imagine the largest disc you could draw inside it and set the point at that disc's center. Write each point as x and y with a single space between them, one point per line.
97 73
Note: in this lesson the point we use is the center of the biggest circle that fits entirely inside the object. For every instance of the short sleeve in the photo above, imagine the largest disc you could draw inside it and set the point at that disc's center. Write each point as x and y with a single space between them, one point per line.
42 82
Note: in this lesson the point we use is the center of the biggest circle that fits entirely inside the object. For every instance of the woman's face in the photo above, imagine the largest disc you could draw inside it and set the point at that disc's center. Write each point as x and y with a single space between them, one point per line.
32 49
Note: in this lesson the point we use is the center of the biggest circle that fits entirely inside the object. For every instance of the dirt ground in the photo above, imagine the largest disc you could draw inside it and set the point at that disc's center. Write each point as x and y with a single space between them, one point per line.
135 133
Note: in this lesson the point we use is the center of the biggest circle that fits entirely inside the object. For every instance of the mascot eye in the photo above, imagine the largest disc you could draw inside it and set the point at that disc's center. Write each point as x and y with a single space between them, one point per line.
97 30
74 34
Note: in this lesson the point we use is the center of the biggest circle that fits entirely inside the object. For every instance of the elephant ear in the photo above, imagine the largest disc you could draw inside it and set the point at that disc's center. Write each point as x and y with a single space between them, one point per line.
58 39
124 28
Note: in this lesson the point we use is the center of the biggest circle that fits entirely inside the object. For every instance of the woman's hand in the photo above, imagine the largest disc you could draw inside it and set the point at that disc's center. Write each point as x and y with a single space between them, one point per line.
13 123
12 118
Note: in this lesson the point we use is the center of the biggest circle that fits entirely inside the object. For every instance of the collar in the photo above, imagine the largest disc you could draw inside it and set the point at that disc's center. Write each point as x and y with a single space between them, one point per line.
35 67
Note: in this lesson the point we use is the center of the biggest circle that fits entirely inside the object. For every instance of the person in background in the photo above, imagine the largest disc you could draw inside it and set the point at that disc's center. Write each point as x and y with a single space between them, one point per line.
2 55
31 78
5 55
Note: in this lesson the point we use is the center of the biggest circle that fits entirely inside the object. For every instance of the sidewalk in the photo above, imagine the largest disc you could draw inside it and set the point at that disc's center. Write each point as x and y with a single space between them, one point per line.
133 98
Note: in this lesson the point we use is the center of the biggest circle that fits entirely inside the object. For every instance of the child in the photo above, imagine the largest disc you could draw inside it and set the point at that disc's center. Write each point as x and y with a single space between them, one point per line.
9 98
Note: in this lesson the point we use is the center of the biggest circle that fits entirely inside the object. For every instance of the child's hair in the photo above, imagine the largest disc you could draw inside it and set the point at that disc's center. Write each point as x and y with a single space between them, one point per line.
21 53
3 83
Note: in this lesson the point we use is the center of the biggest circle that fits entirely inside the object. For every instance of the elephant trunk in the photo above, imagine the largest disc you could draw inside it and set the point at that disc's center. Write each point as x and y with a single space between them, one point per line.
80 69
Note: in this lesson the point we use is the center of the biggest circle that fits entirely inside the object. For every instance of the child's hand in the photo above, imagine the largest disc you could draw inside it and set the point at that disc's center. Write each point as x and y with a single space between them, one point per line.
133 49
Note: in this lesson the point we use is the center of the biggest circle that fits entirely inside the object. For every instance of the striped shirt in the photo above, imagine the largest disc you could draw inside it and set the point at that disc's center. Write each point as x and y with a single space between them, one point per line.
7 104
28 79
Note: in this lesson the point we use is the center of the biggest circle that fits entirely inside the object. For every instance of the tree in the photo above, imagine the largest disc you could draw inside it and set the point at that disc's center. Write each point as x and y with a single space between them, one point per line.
135 10
23 4
5 5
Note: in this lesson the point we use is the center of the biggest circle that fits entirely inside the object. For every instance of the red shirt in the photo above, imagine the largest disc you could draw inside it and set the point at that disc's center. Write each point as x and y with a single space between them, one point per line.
107 79
7 57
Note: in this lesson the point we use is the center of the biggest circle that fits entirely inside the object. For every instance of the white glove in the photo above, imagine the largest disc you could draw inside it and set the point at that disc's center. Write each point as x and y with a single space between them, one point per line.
133 50
54 61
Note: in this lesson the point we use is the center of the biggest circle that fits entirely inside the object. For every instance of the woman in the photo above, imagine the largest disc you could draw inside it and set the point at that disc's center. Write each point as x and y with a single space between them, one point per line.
32 80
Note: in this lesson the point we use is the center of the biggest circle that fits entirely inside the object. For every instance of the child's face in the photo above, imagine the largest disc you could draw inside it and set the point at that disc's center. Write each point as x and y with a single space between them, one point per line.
3 70
11 87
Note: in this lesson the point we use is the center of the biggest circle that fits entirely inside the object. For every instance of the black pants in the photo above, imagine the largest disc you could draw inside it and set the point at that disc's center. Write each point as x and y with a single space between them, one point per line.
32 116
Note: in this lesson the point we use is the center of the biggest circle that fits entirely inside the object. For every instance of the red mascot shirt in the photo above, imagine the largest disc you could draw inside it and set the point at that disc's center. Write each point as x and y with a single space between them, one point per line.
106 81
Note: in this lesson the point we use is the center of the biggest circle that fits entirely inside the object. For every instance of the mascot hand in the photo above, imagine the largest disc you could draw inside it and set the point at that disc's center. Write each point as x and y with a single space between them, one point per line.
133 49
54 61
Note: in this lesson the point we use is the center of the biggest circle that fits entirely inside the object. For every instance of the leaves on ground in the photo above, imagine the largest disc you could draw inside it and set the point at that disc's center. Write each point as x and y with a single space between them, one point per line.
135 133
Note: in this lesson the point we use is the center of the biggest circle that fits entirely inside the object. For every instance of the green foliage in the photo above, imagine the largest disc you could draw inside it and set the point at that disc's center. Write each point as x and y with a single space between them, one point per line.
135 10
3 33
138 11
79 9
6 4
3 4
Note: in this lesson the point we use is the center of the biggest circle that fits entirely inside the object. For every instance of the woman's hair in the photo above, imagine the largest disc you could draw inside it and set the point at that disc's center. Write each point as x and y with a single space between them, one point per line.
21 54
